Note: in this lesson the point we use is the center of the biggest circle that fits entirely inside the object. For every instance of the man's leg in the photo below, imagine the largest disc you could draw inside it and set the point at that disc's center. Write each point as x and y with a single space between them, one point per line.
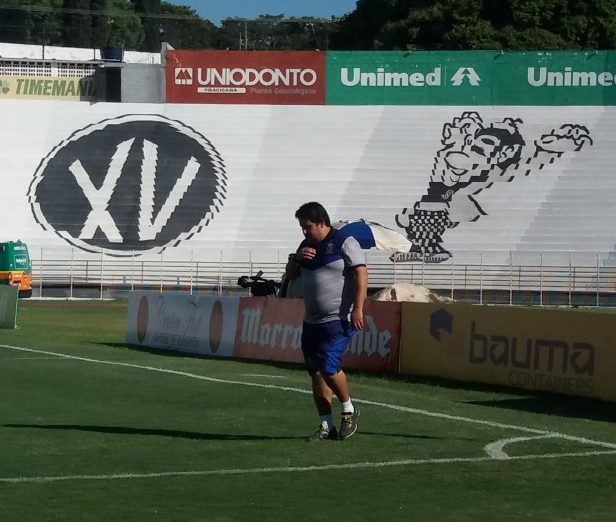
323 363
337 384
322 394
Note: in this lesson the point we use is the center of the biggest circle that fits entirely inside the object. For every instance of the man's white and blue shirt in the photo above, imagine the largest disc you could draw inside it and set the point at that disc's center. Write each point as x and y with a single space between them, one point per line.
328 279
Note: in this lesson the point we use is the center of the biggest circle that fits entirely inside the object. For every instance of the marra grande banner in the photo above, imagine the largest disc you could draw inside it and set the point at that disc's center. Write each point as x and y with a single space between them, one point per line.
471 78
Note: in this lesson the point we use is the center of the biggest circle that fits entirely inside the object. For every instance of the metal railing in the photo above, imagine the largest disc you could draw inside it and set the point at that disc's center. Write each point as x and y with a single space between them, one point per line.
566 284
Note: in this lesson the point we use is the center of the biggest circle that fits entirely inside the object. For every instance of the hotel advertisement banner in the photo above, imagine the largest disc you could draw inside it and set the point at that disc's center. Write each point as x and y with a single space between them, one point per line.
471 78
246 77
203 325
563 351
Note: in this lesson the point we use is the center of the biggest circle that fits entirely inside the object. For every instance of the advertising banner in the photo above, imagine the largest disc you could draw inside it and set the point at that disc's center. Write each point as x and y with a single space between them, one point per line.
271 329
203 325
471 78
47 88
563 351
252 77
8 305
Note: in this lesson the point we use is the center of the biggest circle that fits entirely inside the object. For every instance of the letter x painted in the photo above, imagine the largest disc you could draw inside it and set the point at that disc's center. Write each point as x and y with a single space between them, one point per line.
99 216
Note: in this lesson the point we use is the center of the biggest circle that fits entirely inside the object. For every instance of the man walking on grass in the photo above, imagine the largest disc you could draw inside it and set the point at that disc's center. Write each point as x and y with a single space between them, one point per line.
335 281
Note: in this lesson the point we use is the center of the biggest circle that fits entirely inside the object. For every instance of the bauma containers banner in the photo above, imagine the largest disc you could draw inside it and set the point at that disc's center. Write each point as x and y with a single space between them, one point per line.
562 351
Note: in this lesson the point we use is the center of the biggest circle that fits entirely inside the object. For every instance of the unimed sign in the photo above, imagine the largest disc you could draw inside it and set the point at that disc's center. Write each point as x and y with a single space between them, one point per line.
471 78
251 77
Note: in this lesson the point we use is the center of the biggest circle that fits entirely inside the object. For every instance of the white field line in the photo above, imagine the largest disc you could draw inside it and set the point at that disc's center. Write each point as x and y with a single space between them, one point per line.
263 375
294 469
395 407
493 454
496 449
42 358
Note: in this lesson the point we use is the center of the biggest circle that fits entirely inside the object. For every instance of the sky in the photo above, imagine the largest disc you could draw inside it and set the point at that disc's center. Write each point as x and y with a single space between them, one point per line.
216 10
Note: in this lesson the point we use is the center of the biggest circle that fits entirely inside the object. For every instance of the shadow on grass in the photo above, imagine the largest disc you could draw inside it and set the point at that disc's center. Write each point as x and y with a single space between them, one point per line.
562 406
191 435
531 401
177 354
159 432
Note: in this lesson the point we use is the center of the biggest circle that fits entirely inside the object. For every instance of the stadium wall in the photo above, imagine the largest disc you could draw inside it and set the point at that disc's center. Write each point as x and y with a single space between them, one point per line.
561 351
481 158
135 179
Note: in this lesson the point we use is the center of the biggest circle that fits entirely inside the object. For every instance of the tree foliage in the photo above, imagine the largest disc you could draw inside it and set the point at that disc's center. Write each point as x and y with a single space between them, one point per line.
479 24
275 32
124 26
76 23
373 25
149 11
185 29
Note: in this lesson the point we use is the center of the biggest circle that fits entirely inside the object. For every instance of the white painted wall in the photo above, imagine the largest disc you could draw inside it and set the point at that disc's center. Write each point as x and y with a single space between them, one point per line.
368 162
48 52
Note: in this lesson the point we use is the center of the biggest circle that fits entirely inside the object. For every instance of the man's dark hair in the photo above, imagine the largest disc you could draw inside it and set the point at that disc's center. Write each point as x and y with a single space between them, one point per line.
314 212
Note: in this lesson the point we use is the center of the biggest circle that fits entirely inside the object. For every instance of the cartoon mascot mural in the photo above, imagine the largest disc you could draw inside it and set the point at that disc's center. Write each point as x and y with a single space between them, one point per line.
474 155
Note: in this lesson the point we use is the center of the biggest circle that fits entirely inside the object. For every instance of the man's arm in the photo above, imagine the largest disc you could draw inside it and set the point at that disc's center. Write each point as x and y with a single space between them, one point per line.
292 269
361 290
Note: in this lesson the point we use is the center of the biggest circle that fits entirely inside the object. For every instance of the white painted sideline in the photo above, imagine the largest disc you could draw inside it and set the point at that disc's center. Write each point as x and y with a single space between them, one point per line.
395 407
494 450
295 469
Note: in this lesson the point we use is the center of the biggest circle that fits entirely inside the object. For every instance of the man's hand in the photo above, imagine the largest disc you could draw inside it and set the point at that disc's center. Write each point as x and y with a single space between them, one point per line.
357 318
305 253
361 288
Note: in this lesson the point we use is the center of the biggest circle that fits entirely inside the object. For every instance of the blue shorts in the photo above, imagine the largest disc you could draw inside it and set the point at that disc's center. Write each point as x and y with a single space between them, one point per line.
323 345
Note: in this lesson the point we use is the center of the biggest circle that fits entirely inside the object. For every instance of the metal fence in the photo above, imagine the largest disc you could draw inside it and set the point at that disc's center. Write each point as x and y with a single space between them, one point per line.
565 284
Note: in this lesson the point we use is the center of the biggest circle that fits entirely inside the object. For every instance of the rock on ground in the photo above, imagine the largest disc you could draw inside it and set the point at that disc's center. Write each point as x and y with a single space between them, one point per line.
408 292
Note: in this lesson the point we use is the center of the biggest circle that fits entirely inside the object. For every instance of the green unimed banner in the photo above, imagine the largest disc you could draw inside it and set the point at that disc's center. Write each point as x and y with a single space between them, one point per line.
471 78
8 306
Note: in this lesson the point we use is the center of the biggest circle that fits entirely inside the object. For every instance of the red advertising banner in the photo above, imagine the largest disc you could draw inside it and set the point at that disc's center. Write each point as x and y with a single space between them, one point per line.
271 329
257 77
377 347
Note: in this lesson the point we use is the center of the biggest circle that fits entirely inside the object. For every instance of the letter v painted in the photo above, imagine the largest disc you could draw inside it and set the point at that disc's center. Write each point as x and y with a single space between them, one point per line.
149 228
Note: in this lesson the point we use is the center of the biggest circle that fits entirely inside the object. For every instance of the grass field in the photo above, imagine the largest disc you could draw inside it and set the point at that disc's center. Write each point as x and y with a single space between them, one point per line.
94 430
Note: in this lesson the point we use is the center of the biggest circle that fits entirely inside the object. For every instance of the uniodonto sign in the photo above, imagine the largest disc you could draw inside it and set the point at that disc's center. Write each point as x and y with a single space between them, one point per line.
274 77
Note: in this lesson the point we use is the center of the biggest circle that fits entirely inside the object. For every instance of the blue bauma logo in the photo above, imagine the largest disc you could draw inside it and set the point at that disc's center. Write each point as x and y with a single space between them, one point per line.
441 321
129 185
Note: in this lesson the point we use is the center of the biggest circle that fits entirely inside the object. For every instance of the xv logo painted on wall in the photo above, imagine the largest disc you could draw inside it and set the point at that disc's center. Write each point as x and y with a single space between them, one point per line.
129 185
474 155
